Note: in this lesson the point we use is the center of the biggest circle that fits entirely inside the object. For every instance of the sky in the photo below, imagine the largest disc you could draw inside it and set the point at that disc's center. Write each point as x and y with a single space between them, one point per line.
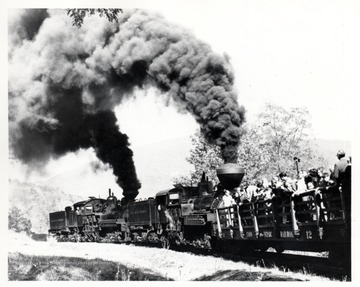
290 53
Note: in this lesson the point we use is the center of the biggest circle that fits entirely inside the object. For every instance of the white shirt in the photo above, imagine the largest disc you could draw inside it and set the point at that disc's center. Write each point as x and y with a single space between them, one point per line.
227 200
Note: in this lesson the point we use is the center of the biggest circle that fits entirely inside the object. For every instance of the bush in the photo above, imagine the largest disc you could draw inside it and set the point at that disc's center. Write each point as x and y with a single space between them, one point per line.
18 222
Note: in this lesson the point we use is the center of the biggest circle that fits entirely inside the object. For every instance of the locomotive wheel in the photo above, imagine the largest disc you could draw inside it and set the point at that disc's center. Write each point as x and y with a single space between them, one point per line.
165 243
174 238
152 237
177 240
135 236
96 237
102 233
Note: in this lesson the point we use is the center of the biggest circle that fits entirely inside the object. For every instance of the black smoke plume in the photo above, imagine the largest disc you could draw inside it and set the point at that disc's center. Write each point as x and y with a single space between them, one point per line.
65 82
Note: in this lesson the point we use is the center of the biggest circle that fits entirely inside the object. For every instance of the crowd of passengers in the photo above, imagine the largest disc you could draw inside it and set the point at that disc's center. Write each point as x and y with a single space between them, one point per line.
316 184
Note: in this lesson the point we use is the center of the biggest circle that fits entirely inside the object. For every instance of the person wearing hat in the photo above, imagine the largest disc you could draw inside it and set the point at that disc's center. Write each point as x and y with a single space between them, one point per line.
339 167
288 186
286 190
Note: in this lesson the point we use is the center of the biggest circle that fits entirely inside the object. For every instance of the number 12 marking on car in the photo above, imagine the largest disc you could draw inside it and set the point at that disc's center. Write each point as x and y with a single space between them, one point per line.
308 234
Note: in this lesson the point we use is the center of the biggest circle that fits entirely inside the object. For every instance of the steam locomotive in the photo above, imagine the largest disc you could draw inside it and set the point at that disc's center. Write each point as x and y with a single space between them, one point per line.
183 215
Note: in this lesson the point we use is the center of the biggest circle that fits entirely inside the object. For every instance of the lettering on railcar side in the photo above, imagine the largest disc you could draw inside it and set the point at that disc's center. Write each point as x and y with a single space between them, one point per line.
268 234
57 220
138 211
286 234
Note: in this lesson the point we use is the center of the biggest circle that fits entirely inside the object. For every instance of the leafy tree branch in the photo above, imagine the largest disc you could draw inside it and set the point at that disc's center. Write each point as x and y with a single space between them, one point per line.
78 15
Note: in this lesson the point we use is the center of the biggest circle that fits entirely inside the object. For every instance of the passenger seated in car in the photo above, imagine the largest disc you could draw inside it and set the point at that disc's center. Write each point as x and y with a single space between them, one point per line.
288 185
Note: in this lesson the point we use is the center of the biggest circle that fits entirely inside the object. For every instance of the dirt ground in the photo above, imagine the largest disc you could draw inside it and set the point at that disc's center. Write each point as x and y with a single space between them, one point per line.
166 263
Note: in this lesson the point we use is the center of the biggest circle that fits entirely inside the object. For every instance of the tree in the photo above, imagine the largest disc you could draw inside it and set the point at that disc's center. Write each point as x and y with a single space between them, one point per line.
267 147
205 158
253 153
18 222
78 15
279 135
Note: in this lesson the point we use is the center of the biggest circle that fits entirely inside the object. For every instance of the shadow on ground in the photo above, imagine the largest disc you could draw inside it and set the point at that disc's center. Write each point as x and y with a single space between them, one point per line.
238 275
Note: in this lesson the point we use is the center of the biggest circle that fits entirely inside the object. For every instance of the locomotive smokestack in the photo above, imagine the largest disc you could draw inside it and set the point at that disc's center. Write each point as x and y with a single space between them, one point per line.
230 175
109 192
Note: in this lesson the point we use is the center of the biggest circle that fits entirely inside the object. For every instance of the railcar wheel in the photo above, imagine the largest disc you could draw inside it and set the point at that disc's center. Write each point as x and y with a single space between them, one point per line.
135 237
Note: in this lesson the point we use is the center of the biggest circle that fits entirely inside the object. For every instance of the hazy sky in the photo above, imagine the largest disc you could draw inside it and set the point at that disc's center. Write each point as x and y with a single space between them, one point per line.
291 53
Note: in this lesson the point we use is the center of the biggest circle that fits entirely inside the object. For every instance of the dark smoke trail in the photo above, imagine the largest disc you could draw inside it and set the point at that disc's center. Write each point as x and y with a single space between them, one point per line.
112 147
76 130
64 84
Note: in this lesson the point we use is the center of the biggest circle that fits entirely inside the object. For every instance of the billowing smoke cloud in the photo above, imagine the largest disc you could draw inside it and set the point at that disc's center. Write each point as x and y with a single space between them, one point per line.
25 24
65 82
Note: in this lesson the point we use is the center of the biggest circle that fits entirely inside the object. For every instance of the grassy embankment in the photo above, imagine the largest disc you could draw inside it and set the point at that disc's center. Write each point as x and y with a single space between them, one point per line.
54 268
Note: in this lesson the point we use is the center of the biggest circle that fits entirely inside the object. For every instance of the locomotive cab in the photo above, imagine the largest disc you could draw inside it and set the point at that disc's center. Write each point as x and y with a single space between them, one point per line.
162 201
174 197
162 198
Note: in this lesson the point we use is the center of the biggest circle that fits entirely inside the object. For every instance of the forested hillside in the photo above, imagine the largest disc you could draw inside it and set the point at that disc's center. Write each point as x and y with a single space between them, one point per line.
35 202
